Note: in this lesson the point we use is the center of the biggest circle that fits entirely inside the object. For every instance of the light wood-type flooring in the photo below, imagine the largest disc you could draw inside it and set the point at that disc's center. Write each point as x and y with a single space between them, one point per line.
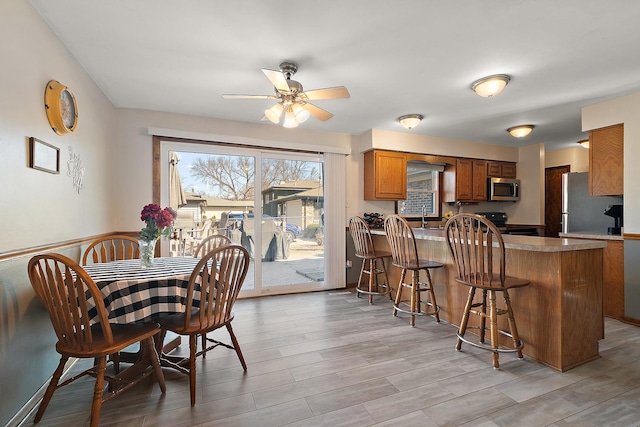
331 359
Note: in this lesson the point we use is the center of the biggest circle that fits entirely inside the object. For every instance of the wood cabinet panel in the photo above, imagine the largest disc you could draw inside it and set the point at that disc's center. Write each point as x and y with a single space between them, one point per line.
464 180
470 181
606 158
494 169
479 180
509 170
614 279
385 175
501 169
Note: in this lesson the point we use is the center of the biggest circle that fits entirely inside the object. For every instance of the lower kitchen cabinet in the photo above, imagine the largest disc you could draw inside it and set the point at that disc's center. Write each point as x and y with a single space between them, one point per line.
613 272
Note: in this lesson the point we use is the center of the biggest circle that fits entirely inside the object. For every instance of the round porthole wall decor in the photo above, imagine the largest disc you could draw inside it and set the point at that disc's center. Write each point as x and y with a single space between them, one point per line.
61 108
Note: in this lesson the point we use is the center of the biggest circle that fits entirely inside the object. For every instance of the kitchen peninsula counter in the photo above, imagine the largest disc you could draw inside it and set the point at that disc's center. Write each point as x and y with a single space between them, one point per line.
591 235
559 315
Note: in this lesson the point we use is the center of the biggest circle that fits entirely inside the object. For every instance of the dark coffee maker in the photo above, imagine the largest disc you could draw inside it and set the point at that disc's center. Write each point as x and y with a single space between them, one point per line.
614 211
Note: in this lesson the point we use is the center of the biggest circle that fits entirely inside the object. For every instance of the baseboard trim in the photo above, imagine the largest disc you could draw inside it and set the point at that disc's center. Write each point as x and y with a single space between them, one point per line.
32 404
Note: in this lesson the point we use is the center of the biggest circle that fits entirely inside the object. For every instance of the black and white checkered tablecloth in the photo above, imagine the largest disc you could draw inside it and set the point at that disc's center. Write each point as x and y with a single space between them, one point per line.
133 294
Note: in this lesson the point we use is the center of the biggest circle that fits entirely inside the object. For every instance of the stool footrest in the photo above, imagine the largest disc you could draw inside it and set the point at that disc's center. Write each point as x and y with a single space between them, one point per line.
417 313
384 291
487 346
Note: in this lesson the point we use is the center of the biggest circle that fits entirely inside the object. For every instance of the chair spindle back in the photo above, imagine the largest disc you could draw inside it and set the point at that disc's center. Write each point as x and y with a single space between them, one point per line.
404 252
473 242
64 288
210 243
216 281
112 248
361 235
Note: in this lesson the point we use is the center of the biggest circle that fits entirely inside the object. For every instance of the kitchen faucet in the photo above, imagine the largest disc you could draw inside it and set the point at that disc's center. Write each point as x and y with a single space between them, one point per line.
423 216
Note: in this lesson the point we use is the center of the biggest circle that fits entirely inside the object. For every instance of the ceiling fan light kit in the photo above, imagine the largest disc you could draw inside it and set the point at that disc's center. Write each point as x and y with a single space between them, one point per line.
491 85
274 113
520 131
410 121
290 119
301 114
292 99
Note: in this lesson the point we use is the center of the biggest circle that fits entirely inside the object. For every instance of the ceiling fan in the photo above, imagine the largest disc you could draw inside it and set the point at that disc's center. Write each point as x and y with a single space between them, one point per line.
292 100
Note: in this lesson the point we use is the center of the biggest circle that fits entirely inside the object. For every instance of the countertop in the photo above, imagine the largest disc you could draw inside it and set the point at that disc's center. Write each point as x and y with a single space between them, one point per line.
591 235
524 243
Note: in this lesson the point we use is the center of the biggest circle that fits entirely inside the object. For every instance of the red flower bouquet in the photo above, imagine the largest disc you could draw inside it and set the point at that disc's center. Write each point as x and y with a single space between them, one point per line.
159 221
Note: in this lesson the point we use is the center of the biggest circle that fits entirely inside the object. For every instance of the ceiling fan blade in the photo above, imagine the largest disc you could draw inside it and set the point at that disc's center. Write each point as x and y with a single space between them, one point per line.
326 93
249 96
317 112
277 79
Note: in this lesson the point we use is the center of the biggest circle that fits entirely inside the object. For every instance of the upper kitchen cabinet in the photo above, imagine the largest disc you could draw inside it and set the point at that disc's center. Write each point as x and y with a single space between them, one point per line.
501 169
467 182
385 175
606 147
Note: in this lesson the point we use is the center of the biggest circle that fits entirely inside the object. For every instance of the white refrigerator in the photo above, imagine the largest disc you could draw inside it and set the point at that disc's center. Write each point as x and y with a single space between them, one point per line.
582 212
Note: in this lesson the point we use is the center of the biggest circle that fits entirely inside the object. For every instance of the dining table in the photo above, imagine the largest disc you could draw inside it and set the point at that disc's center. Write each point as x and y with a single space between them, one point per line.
134 294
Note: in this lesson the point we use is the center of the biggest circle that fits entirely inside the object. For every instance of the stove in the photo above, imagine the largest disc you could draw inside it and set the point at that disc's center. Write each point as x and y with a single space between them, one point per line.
499 219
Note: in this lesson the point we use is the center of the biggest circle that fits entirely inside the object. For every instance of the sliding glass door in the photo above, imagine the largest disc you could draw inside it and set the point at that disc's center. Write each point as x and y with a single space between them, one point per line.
271 203
292 202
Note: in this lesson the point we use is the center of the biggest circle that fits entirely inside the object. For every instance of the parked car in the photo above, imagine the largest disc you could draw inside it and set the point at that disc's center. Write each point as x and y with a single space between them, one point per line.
292 231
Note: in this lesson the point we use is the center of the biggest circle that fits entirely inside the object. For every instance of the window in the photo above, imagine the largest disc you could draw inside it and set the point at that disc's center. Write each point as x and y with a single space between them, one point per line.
423 184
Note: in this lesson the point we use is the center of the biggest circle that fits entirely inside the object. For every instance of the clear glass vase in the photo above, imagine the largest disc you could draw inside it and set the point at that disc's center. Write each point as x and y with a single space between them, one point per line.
147 252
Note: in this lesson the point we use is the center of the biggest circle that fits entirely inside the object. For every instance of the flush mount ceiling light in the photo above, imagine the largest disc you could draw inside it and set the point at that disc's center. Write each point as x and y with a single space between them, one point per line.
490 85
410 121
520 131
584 143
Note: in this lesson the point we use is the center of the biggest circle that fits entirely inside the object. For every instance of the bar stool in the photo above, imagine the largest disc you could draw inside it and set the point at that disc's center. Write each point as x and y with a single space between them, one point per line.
404 254
365 250
473 242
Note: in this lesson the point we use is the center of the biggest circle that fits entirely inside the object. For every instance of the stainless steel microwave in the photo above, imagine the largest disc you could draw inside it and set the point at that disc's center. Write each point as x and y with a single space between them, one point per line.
501 189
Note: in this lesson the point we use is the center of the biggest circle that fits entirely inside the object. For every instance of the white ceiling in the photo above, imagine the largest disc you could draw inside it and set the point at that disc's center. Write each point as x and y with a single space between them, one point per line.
395 57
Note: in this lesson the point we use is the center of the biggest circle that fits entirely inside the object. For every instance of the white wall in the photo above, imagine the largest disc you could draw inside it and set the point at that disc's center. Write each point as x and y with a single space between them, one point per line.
577 158
38 207
530 207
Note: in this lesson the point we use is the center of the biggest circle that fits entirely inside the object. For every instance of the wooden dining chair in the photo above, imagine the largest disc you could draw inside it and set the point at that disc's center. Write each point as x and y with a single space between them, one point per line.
404 255
211 293
65 289
372 260
210 243
207 245
111 248
477 249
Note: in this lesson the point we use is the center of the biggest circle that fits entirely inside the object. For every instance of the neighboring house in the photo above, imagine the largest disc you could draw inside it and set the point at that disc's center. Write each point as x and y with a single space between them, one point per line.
214 207
191 214
300 202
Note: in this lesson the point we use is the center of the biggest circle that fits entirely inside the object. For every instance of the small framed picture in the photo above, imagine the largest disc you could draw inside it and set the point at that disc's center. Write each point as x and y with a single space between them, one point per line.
43 156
